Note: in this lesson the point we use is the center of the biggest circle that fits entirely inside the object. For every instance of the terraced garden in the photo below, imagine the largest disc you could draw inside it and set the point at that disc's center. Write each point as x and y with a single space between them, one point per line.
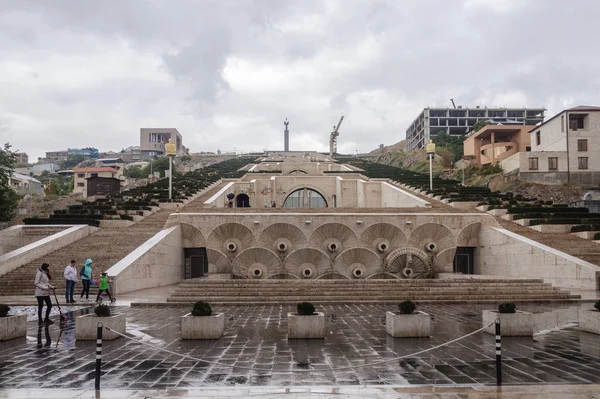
141 200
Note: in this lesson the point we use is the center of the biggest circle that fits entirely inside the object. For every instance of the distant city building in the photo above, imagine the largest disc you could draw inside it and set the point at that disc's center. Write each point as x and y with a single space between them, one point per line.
24 184
88 152
129 154
153 140
82 174
116 163
40 168
97 186
61 155
22 158
459 121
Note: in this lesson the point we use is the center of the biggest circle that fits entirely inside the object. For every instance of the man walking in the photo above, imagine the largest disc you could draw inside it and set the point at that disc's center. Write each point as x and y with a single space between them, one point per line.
71 278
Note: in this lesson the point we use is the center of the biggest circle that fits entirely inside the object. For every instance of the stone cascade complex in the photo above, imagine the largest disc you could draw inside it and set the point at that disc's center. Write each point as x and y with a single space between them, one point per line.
310 246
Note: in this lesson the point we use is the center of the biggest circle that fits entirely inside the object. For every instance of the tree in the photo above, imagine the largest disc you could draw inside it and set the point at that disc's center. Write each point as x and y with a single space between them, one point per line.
72 161
480 124
134 172
452 143
9 199
159 165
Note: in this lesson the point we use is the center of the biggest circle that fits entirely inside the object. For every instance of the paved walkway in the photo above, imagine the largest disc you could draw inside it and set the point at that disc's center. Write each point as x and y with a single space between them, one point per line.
480 392
255 338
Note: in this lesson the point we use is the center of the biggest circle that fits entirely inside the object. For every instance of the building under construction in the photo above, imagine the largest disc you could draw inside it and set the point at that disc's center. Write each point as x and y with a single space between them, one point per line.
459 121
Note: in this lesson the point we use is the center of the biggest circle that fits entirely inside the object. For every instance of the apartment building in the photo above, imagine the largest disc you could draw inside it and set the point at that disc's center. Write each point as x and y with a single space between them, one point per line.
565 149
459 121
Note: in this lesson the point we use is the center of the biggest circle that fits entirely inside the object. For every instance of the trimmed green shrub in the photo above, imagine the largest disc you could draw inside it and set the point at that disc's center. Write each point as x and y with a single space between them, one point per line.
507 307
597 306
201 308
126 217
305 308
407 307
102 310
4 308
597 236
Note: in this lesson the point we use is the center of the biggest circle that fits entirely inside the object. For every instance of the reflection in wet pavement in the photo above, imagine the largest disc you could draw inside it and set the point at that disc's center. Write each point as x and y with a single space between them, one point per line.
255 352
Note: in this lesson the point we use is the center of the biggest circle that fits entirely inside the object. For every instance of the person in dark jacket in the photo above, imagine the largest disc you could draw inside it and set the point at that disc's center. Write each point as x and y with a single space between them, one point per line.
42 292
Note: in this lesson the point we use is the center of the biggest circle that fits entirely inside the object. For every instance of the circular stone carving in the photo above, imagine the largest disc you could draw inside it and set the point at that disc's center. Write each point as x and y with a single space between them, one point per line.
430 247
231 245
407 272
383 245
358 270
333 245
282 245
256 270
307 271
415 259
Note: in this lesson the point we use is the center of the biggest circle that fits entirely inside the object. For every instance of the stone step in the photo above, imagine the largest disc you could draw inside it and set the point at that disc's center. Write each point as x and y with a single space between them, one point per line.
322 299
180 292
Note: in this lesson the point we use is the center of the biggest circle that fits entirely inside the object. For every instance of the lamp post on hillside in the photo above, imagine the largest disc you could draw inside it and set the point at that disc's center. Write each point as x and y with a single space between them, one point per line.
430 149
170 151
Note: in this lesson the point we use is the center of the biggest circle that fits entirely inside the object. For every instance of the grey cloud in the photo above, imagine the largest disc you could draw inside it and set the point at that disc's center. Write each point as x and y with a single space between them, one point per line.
92 73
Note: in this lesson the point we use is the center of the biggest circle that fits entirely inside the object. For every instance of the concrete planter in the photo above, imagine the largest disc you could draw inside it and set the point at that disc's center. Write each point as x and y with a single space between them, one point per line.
86 327
497 212
552 228
202 327
300 326
518 324
413 325
13 327
589 320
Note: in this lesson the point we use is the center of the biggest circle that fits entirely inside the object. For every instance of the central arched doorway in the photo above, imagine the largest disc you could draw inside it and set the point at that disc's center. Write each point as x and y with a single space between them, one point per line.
242 201
305 198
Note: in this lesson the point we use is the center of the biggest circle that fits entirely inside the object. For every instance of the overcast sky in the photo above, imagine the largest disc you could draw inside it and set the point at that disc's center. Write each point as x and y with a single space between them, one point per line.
227 73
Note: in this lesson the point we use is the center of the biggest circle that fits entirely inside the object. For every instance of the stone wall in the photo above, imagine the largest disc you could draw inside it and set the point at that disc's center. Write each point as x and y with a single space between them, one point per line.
157 262
504 253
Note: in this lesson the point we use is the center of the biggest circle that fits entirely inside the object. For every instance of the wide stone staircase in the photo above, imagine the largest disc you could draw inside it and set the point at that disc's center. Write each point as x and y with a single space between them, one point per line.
238 291
105 247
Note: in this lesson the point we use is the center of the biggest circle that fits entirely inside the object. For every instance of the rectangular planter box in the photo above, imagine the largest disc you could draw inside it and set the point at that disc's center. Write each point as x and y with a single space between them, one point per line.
413 325
13 327
497 212
552 228
86 327
202 327
589 320
518 324
306 326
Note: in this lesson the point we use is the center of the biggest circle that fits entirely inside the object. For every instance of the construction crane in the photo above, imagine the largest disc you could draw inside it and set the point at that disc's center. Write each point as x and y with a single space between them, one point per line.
333 138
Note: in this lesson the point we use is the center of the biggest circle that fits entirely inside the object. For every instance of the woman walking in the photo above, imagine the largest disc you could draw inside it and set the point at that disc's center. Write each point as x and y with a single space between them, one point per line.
42 292
86 278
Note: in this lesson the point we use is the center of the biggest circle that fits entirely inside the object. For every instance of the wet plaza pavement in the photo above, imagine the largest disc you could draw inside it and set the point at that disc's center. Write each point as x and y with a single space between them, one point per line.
255 352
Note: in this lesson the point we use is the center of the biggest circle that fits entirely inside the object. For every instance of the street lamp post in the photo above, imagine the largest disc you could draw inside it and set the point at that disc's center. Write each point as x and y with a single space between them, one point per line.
430 149
170 151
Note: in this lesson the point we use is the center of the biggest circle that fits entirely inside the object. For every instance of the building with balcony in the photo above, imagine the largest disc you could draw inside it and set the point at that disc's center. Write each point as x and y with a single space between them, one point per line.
22 158
460 121
153 140
495 143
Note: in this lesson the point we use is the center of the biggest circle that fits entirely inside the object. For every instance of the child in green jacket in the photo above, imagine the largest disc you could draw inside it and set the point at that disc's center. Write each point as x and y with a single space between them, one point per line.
104 281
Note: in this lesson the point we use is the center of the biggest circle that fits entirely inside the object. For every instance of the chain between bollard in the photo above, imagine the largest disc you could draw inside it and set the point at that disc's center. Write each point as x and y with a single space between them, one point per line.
98 355
498 353
299 370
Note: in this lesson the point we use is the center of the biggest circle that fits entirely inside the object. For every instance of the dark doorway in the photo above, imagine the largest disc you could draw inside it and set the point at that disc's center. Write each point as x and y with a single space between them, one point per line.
196 263
464 260
242 201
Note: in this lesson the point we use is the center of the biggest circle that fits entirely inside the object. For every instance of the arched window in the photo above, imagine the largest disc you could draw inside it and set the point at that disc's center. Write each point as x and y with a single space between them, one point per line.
298 172
305 198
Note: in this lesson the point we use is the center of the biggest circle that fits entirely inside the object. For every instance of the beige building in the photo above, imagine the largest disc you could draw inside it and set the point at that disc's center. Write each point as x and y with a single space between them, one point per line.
495 143
153 140
61 155
22 158
82 174
562 149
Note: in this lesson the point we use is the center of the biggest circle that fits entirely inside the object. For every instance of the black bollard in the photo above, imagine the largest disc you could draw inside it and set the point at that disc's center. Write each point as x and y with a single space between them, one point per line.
98 355
498 354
